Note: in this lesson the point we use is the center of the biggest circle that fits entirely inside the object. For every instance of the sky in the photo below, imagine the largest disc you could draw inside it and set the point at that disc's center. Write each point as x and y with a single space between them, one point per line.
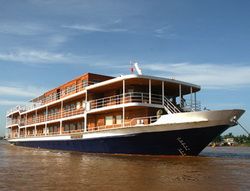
45 43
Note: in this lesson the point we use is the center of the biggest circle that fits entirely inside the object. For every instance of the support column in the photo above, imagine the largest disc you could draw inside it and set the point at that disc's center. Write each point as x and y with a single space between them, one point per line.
85 112
123 102
180 95
61 117
163 92
149 90
35 131
11 132
191 97
36 117
25 131
35 125
26 119
61 109
46 119
195 104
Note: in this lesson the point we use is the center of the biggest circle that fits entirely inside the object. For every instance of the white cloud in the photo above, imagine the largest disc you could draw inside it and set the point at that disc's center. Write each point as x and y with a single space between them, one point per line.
37 56
57 40
25 91
207 75
165 32
19 28
94 28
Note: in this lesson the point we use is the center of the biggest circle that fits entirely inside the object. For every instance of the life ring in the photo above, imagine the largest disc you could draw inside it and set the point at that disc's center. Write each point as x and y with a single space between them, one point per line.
159 113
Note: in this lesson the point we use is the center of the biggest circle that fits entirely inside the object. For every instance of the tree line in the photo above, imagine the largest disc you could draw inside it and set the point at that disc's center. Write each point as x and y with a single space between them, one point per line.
240 139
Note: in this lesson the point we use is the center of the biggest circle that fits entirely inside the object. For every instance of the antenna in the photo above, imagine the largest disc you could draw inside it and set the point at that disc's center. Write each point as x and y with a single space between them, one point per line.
138 70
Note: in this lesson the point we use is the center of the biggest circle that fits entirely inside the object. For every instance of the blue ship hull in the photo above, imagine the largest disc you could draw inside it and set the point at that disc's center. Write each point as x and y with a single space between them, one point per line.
176 142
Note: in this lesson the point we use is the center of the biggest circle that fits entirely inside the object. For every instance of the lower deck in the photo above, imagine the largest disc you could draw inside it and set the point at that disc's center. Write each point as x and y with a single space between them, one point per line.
111 119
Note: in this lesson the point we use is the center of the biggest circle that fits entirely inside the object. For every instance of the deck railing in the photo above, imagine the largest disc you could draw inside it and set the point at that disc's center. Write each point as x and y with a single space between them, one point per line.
53 116
189 105
131 97
135 122
72 112
12 122
138 121
138 97
53 97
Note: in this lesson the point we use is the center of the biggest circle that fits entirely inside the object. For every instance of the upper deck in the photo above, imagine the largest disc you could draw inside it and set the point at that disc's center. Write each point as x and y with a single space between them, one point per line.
90 81
62 92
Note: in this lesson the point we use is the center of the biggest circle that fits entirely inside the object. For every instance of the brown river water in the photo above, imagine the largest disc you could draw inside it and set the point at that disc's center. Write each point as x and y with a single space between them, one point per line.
224 168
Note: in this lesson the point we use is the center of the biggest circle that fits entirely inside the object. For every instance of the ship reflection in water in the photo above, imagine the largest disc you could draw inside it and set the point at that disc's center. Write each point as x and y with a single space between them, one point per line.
34 169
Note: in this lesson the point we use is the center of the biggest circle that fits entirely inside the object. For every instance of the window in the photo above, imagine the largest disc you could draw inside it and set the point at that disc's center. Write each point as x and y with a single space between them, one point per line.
72 106
109 120
78 105
83 104
72 126
51 129
53 96
79 125
67 90
84 83
63 92
73 88
118 119
67 108
66 128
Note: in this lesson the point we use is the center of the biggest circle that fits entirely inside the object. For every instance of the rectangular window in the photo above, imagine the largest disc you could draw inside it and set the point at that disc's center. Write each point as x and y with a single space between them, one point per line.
72 126
79 125
109 120
66 128
78 105
50 129
55 129
72 106
118 119
73 88
84 83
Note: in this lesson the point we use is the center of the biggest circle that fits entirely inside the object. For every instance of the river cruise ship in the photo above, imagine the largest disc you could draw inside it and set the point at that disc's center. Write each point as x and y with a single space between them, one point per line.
129 114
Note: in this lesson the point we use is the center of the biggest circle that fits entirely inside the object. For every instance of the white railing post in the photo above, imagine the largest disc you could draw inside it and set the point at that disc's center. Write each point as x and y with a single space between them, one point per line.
123 101
18 133
35 131
61 118
46 119
149 90
85 112
195 101
36 117
163 92
26 119
191 97
180 95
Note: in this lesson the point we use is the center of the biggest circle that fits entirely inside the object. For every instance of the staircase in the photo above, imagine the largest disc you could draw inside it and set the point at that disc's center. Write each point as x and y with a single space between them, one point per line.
170 107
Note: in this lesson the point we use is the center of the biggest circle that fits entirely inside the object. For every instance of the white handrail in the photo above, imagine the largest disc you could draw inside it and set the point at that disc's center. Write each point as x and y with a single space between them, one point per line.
170 107
44 100
140 97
